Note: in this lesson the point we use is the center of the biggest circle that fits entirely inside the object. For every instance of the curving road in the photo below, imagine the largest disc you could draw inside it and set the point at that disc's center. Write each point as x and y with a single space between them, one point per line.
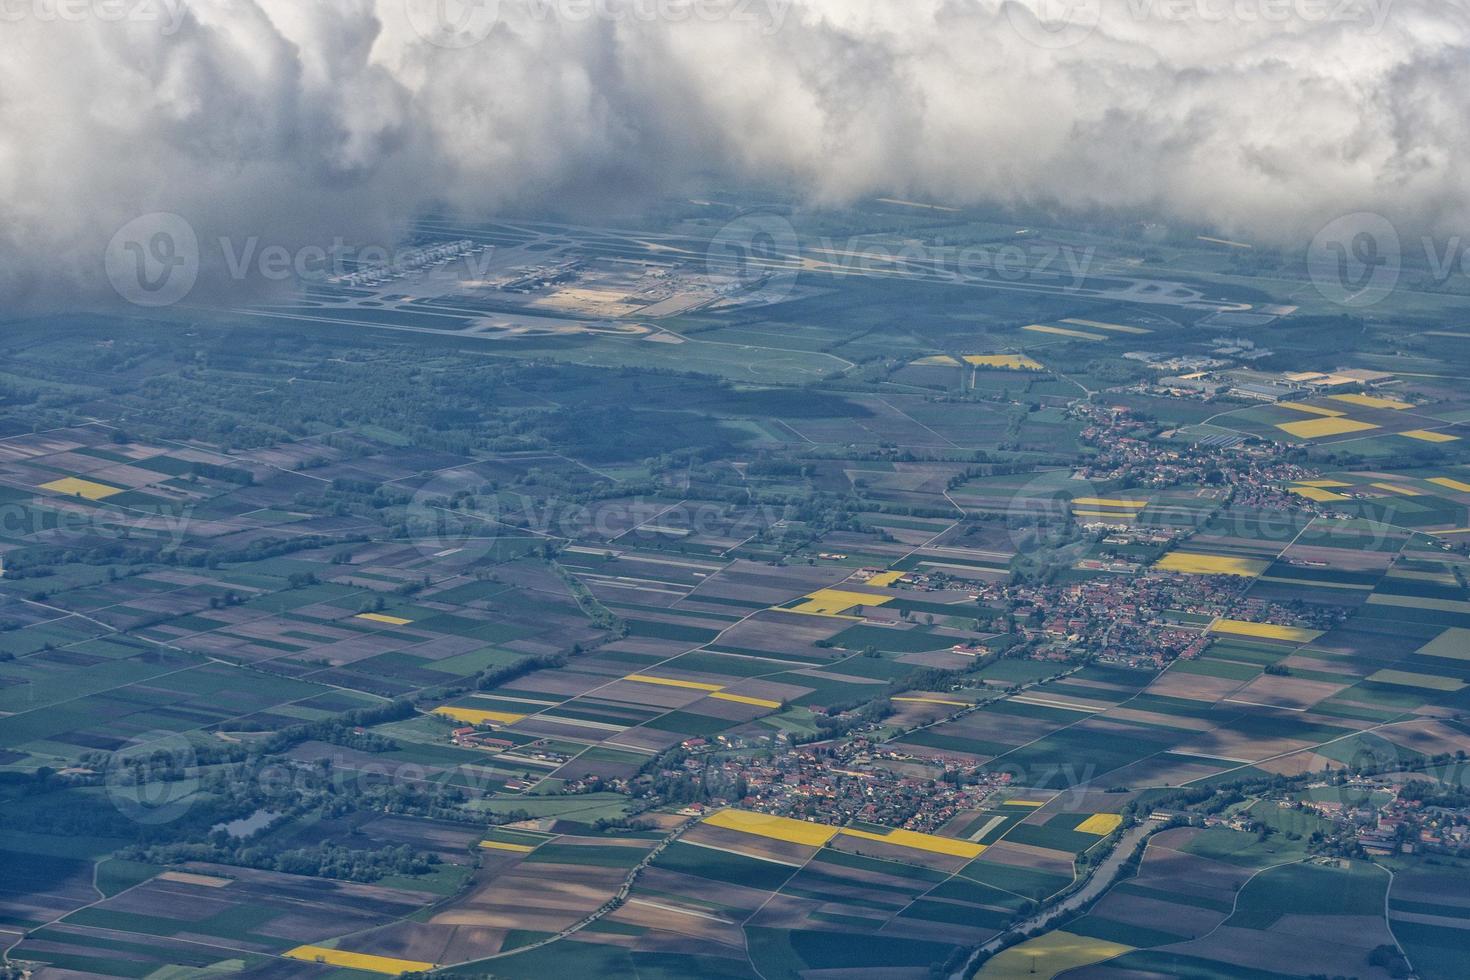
1101 879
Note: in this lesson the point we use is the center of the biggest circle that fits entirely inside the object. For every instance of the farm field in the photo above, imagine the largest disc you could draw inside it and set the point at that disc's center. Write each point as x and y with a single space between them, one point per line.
602 615
1219 903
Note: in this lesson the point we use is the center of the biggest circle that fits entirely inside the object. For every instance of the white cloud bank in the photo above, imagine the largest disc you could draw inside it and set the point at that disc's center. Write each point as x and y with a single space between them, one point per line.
299 121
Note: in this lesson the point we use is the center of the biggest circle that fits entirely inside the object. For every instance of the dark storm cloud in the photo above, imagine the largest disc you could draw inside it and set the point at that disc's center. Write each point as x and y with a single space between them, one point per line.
296 123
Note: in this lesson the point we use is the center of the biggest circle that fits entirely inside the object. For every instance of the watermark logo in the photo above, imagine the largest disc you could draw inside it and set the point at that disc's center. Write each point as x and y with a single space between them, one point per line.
1068 777
1054 24
453 23
1356 260
153 780
153 260
756 257
1041 513
455 514
157 260
1353 785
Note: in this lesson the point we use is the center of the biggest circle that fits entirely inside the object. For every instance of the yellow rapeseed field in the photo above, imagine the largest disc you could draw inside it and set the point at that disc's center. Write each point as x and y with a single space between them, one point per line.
357 961
884 579
474 716
76 487
1264 631
1427 435
381 618
921 842
1110 502
835 602
1046 956
1319 494
776 828
1395 488
816 835
1369 401
1322 428
1008 362
1458 486
743 699
671 682
714 690
497 845
1189 563
1100 824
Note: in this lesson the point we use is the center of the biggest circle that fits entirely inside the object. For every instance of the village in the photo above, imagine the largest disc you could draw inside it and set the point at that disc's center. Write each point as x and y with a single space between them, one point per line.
842 781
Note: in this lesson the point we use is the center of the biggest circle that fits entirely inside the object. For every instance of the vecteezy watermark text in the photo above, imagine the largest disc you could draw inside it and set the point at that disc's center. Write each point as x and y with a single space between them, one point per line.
157 260
1369 14
463 23
763 253
97 520
168 14
1058 24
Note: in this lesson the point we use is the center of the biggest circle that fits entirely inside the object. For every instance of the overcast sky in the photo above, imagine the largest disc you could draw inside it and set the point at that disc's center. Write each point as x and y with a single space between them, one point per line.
299 121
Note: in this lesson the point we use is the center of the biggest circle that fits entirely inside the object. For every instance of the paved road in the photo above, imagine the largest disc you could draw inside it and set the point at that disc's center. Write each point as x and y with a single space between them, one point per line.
611 905
1101 880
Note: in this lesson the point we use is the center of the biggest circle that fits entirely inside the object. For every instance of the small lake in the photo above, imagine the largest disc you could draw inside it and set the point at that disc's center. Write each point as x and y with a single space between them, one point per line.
246 826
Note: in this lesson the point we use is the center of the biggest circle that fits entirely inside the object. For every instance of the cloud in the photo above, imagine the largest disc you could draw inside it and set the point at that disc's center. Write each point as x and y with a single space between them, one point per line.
295 123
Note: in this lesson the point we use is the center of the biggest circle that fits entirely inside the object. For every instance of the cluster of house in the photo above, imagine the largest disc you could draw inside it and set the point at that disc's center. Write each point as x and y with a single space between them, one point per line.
1127 620
852 780
1384 822
470 737
1254 474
